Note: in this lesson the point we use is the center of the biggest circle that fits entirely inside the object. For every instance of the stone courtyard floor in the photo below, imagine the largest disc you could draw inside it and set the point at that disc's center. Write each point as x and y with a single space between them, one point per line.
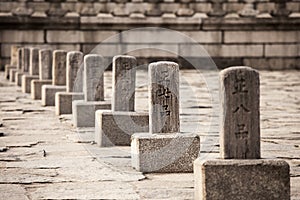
42 156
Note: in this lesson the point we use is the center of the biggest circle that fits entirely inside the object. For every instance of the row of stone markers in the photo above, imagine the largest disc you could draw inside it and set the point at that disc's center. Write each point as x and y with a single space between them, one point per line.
155 139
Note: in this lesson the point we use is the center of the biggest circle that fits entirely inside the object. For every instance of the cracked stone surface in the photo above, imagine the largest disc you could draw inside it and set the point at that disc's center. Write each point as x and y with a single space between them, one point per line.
42 156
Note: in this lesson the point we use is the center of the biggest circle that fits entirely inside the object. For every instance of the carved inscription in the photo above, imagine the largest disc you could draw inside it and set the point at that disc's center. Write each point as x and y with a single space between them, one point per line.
164 92
164 101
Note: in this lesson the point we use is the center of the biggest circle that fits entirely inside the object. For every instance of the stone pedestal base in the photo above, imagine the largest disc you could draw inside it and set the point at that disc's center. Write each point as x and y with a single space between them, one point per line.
169 153
26 82
48 94
7 70
18 78
84 112
242 179
36 88
116 128
63 102
12 75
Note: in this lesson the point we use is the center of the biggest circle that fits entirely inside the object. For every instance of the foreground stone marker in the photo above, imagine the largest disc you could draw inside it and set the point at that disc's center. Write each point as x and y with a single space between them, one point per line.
45 73
63 100
13 61
93 88
164 148
24 67
240 174
58 78
115 127
33 70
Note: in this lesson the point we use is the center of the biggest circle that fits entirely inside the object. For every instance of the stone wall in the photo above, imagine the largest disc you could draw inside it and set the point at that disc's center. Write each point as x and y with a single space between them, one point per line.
265 37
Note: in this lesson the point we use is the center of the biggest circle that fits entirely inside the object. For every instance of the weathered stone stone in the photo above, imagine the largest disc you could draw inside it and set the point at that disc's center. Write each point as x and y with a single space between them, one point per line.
19 62
7 70
93 78
240 130
36 88
59 67
25 59
58 78
84 112
173 153
63 100
242 179
248 177
26 82
12 75
164 149
33 70
116 128
14 55
45 64
18 78
23 65
48 93
45 73
124 69
164 99
34 61
74 61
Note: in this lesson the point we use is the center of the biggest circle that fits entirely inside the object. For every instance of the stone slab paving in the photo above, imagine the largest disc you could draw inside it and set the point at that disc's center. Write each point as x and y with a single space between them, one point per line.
43 156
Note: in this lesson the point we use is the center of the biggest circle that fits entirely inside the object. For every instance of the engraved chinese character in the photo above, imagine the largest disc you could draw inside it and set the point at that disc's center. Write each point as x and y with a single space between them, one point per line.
163 92
240 84
241 133
242 107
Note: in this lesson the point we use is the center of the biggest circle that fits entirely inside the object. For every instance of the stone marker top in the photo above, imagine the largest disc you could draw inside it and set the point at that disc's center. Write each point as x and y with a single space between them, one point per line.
19 62
45 64
164 97
240 124
34 61
25 59
59 67
93 82
74 61
123 83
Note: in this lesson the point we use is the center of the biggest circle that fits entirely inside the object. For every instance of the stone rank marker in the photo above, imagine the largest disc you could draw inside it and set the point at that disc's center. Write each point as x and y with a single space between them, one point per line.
45 74
240 130
240 174
58 78
13 61
33 70
12 72
115 127
93 88
63 100
164 148
24 67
